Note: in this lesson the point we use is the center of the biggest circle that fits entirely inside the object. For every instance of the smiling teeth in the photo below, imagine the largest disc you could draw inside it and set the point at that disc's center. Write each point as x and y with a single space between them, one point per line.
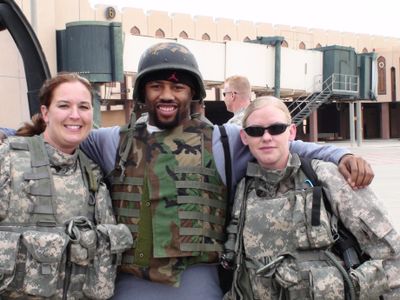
167 108
73 126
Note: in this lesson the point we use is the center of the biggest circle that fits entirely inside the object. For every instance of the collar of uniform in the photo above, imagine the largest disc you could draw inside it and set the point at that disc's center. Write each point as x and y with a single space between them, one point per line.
60 159
273 176
152 128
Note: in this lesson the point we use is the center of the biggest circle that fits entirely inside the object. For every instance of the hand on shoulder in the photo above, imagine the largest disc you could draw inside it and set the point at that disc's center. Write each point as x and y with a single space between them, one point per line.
356 170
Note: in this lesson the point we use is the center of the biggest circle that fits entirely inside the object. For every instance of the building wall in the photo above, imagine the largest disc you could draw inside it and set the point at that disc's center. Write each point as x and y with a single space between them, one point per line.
246 30
13 88
183 23
226 30
205 25
159 20
134 17
52 15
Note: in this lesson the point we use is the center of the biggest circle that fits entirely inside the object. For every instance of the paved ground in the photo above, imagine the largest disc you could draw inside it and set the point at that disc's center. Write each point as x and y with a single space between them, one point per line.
384 156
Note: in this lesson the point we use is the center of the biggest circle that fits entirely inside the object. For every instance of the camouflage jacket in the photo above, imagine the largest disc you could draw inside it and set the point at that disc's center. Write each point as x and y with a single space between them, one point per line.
170 195
280 255
237 117
57 229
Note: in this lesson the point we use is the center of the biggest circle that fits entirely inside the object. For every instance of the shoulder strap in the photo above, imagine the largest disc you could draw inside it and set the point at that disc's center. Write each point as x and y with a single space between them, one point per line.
307 169
346 245
43 189
228 165
90 181
88 174
227 157
226 275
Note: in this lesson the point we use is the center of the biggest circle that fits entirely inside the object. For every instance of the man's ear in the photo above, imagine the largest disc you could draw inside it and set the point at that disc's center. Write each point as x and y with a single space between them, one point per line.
292 132
244 137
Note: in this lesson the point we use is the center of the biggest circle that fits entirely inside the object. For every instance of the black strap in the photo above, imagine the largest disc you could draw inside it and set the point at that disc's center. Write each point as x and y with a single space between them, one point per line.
228 166
306 167
316 206
347 242
226 276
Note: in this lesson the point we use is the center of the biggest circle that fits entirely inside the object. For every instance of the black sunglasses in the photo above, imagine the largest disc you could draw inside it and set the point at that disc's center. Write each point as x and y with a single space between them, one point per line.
226 93
274 129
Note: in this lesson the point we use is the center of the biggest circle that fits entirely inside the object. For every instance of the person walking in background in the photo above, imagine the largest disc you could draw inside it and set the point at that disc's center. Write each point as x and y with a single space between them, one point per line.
237 96
286 242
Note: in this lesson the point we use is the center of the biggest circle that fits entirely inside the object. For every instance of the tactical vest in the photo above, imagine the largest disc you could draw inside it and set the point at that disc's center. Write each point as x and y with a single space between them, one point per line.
283 254
49 250
166 188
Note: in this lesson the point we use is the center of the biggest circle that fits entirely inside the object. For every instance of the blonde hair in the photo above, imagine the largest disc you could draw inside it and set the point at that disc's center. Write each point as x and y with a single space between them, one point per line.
240 84
262 102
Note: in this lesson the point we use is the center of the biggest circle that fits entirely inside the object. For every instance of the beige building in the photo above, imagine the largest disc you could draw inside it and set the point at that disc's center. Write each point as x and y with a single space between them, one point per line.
222 49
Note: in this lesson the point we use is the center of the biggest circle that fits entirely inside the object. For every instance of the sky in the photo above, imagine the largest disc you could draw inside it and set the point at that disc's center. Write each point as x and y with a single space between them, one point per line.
378 17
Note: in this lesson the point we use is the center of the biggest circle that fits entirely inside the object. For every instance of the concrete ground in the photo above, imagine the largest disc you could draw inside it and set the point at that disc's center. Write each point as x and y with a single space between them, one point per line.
384 157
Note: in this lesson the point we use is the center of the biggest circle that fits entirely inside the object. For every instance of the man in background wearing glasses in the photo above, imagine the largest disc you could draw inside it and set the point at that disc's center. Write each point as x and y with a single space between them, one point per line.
237 96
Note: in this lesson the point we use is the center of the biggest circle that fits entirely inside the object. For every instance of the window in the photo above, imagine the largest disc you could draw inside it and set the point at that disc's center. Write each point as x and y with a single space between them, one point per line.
246 39
381 75
160 33
318 46
393 83
227 38
183 35
135 30
284 44
205 37
302 46
365 50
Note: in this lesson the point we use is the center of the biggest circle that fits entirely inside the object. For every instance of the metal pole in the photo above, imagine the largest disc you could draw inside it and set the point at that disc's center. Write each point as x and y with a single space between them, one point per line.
351 121
34 16
96 105
359 123
277 83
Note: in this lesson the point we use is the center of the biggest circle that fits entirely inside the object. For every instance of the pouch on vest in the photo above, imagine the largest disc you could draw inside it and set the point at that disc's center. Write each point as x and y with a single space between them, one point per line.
371 279
326 284
4 204
379 230
44 254
302 281
83 240
83 251
112 240
311 236
8 253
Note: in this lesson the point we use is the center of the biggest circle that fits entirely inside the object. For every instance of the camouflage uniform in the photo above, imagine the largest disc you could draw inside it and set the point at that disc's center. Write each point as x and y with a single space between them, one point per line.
273 227
58 238
237 117
170 195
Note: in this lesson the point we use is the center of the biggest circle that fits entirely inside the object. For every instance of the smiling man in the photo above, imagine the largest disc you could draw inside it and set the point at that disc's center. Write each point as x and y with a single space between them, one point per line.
168 181
166 99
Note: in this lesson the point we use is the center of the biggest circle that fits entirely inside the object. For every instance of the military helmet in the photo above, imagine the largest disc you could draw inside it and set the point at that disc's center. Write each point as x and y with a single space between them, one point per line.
168 56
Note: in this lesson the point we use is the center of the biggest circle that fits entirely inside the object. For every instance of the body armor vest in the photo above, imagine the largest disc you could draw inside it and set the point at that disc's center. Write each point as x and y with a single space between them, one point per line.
50 246
168 191
283 253
289 246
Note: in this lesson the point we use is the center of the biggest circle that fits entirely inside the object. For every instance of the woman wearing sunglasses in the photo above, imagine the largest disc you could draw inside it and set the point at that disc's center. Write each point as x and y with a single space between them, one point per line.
282 237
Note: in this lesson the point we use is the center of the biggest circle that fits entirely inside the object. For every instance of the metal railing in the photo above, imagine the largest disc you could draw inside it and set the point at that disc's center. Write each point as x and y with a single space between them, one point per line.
347 84
301 108
336 84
